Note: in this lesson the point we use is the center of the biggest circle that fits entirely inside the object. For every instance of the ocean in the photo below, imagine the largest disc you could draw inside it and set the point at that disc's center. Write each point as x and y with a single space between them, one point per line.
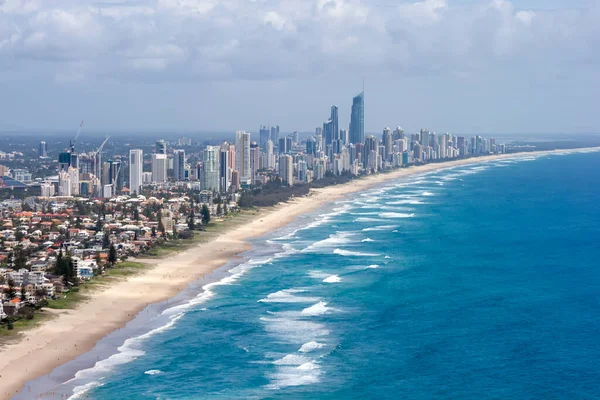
475 282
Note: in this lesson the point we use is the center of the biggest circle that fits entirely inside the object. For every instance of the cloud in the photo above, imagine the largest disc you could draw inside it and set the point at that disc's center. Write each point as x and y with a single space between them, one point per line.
277 39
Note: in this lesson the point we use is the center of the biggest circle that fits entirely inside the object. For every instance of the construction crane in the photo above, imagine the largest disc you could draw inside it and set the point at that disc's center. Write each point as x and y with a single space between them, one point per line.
98 157
72 142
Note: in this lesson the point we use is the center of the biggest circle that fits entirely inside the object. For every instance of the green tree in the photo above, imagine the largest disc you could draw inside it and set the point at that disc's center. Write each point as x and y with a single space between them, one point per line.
191 218
20 258
99 225
58 267
106 241
136 213
23 295
219 209
11 293
153 232
112 255
205 214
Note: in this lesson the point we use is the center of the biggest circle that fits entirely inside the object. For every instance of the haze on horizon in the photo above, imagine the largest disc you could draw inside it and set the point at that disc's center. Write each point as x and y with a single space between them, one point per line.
196 65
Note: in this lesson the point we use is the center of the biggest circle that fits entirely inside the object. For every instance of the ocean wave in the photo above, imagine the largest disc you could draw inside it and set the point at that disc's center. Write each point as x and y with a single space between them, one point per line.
332 279
291 359
348 253
317 309
374 266
288 376
380 228
293 328
364 219
367 240
428 194
287 296
311 346
318 274
82 390
394 215
153 372
405 202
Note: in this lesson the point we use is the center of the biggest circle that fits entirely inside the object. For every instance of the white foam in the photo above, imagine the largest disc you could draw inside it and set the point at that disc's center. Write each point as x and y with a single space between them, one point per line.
311 346
347 253
405 202
293 329
365 219
80 391
291 359
337 239
153 372
374 266
317 309
379 228
287 296
318 274
394 215
332 279
367 240
428 194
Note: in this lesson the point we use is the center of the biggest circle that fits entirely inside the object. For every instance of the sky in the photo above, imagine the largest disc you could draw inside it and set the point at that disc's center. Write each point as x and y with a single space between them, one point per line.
462 66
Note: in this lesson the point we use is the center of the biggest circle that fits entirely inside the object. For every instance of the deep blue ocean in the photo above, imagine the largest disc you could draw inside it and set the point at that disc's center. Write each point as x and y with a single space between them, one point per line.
477 282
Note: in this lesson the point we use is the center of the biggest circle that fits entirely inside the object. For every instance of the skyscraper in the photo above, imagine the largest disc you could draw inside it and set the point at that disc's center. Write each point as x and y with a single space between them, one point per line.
210 168
264 136
334 120
179 165
386 140
43 149
242 155
328 129
275 134
357 119
136 164
224 169
161 147
286 169
159 168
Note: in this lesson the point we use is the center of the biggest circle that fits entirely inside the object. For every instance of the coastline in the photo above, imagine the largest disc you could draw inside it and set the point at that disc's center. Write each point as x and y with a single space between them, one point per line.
44 348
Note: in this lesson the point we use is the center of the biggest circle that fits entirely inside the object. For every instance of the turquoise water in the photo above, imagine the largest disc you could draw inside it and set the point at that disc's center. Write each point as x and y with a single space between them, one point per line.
469 283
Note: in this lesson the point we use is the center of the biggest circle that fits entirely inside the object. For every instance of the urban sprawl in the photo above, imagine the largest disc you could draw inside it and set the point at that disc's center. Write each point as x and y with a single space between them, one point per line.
90 211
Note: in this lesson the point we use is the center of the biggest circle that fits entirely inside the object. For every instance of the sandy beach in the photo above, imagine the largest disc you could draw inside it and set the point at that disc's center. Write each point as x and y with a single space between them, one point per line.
42 349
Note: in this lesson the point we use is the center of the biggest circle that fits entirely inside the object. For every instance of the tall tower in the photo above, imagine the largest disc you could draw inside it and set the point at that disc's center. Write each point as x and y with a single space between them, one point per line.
179 165
357 119
159 168
242 155
210 168
136 164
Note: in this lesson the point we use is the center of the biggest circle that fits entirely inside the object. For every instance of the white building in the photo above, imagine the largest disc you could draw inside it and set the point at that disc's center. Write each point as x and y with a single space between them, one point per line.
159 168
64 184
136 165
107 191
286 169
47 189
210 168
242 155
74 175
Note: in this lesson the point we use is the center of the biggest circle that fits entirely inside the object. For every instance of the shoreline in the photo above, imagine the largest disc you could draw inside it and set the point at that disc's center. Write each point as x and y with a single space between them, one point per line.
44 348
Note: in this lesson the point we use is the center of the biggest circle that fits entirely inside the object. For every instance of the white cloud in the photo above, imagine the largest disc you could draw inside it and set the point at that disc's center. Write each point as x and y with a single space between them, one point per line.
264 39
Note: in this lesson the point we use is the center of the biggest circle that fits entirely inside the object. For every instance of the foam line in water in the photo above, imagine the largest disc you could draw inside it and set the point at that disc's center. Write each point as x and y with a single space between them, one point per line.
287 296
396 215
348 253
332 279
310 347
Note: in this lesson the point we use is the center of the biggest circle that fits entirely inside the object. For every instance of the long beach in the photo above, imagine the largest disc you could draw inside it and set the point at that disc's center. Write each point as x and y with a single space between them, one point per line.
40 350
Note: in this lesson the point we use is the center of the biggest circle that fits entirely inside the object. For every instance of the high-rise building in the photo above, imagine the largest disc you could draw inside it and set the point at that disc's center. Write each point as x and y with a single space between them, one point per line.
115 175
210 169
357 119
136 167
269 156
43 149
328 130
263 136
242 155
159 168
334 120
370 153
64 161
179 165
64 183
161 147
275 134
224 169
398 133
286 169
254 160
387 142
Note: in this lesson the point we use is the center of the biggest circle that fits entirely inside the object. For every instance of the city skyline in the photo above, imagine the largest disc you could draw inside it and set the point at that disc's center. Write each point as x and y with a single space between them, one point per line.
461 66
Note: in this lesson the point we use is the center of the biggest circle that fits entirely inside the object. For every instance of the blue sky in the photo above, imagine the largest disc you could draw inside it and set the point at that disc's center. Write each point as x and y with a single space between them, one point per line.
196 65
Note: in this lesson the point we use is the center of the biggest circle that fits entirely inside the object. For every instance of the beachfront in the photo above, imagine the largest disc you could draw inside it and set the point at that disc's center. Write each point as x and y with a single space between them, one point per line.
111 309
